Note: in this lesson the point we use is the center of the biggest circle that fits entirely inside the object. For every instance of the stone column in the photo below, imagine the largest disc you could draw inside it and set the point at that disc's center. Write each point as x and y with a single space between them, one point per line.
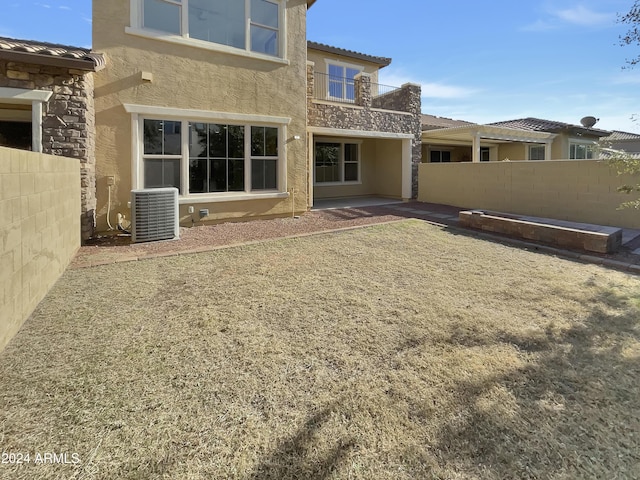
413 104
363 90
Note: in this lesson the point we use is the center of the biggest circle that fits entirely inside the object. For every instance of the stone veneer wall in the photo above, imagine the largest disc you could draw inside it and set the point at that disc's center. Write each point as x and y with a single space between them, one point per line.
68 126
396 112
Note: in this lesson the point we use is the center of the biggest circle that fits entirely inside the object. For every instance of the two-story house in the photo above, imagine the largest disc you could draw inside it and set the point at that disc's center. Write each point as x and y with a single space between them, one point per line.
220 99
208 96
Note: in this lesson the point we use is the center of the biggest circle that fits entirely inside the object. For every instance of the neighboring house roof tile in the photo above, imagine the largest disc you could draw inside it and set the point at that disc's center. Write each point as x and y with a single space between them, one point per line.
431 122
539 125
30 51
617 136
381 61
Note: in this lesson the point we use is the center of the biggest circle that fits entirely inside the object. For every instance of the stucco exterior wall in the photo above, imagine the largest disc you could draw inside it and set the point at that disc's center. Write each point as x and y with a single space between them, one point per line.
574 190
389 168
513 151
39 230
187 77
68 125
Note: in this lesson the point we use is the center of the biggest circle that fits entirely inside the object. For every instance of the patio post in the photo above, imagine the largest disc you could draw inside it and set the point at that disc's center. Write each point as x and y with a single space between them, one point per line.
476 148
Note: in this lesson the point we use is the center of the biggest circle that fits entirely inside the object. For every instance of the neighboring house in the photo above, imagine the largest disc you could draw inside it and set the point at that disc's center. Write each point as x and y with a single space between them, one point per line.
572 142
522 139
364 137
205 96
46 105
624 141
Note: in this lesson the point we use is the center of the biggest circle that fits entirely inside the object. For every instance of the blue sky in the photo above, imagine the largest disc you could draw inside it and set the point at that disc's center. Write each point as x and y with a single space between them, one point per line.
481 61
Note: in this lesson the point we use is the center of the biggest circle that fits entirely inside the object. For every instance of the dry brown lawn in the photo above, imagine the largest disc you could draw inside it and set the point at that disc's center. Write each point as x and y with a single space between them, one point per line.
400 351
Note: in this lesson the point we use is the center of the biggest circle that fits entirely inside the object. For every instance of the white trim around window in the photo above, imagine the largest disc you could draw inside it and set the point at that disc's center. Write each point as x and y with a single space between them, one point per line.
36 98
181 120
342 161
137 28
536 152
582 150
346 82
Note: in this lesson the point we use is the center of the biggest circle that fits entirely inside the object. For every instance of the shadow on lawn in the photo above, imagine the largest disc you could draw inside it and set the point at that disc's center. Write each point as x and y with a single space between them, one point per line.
573 410
292 459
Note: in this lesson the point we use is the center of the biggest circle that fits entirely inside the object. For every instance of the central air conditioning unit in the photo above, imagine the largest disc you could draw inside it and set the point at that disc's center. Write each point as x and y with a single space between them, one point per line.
154 214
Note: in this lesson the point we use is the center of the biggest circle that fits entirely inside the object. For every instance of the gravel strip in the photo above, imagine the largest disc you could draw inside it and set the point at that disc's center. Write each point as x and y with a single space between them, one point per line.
110 248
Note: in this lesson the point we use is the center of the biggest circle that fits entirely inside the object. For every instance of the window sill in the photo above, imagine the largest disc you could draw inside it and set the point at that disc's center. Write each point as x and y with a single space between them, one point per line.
191 42
336 184
230 197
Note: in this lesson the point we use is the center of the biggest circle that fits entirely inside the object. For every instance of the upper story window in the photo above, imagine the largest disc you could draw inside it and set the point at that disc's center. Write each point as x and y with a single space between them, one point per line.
251 25
342 84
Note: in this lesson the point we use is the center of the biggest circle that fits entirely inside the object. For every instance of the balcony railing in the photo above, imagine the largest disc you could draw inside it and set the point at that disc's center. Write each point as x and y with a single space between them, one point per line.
336 89
379 90
359 92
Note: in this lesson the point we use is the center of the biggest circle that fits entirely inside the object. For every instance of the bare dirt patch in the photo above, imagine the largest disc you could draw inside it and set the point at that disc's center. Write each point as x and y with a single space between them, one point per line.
398 351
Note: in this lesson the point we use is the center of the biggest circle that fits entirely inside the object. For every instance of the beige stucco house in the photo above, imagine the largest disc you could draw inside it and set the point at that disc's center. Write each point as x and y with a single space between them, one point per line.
522 139
205 96
220 100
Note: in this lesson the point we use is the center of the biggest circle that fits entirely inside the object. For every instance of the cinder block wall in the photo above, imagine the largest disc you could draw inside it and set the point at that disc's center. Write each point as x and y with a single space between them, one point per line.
39 230
68 126
574 190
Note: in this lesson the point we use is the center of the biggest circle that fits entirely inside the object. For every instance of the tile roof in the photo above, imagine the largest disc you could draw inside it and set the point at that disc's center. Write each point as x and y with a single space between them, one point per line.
539 125
617 135
432 122
30 51
381 61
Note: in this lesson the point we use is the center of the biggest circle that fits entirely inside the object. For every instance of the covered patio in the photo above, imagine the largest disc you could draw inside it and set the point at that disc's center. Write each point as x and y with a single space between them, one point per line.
484 143
345 164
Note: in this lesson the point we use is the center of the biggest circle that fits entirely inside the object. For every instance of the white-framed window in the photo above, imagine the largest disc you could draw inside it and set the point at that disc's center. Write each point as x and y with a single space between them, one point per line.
210 159
253 26
337 162
439 156
537 152
485 154
581 151
342 84
21 113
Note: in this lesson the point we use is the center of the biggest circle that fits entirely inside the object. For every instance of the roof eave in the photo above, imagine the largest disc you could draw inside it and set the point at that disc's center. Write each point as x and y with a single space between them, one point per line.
381 62
94 64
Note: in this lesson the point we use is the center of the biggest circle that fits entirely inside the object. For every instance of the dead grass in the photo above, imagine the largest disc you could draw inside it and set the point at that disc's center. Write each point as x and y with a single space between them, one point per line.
394 352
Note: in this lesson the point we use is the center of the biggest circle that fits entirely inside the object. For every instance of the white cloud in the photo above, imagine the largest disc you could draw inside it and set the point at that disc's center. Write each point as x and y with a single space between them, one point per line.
578 15
581 15
429 89
43 5
64 7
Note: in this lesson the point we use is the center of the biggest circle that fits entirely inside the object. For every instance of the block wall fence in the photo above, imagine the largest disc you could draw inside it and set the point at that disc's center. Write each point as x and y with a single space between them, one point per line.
40 215
575 190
